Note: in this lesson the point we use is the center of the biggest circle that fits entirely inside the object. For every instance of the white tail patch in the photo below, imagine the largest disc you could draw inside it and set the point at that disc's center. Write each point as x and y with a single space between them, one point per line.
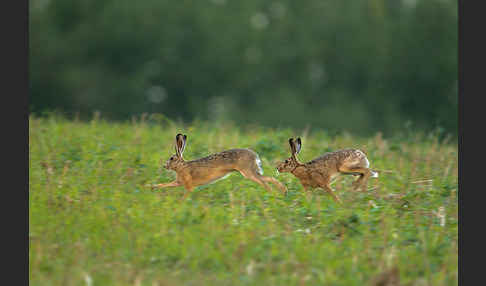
374 174
259 164
367 162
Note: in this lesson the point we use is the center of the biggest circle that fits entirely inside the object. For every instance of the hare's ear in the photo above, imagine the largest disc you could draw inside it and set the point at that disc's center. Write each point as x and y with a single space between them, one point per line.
179 146
292 146
298 145
184 139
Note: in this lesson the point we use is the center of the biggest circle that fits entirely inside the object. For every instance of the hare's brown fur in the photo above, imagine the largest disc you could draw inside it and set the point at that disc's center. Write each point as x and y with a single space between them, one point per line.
205 170
319 172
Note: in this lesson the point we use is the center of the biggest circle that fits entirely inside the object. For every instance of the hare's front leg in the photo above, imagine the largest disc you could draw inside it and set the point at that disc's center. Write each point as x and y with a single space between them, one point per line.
323 182
188 185
188 192
166 185
329 190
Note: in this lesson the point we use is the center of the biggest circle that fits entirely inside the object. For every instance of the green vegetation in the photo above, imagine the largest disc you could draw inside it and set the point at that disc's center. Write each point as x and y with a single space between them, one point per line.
92 220
361 66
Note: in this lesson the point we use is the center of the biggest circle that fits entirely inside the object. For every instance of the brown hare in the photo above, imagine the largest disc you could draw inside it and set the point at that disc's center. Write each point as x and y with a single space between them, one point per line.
206 170
319 172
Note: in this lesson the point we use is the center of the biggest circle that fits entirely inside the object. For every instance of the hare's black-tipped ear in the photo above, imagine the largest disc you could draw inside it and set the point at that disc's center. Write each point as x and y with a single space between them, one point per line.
184 139
292 146
179 144
298 145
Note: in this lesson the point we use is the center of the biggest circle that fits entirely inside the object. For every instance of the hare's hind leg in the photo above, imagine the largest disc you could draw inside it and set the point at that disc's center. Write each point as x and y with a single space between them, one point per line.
254 172
255 177
362 181
275 182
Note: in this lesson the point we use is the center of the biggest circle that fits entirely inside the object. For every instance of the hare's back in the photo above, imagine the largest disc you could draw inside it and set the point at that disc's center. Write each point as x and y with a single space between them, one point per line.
232 156
340 157
237 154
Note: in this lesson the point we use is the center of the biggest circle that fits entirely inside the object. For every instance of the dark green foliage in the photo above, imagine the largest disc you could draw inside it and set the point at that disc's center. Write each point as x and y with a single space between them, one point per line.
360 66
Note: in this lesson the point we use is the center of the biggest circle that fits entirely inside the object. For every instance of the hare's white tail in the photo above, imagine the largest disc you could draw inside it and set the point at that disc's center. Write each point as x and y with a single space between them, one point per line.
259 164
374 174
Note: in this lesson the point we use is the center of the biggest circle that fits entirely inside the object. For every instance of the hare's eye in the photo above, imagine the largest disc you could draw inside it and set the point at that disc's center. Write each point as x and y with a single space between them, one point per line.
171 158
286 161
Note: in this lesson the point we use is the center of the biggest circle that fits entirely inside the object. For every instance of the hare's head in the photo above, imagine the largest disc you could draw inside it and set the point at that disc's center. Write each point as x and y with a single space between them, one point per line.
291 163
176 161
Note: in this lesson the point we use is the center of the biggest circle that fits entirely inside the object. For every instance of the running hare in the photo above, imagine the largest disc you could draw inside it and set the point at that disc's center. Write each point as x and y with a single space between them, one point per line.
205 170
320 171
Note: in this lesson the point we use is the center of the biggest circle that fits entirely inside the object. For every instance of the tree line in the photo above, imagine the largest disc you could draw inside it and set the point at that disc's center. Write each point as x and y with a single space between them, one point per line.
361 66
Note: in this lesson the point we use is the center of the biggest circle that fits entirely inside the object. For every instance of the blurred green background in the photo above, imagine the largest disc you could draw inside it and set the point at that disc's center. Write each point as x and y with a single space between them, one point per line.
358 66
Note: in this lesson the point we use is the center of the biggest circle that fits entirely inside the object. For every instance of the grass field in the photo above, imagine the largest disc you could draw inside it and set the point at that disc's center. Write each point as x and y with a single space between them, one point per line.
93 221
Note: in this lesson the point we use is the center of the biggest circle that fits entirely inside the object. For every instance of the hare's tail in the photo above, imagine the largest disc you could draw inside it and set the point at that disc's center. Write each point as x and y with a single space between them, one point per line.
374 174
259 165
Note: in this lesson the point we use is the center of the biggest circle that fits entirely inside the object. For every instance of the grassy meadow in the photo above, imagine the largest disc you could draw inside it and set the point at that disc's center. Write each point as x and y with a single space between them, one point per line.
94 221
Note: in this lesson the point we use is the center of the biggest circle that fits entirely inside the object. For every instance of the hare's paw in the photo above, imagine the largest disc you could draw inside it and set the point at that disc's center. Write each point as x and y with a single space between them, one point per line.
153 186
355 185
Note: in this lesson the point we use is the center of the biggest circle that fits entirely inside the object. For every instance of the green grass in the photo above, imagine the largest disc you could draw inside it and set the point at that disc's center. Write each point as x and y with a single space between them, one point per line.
92 220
